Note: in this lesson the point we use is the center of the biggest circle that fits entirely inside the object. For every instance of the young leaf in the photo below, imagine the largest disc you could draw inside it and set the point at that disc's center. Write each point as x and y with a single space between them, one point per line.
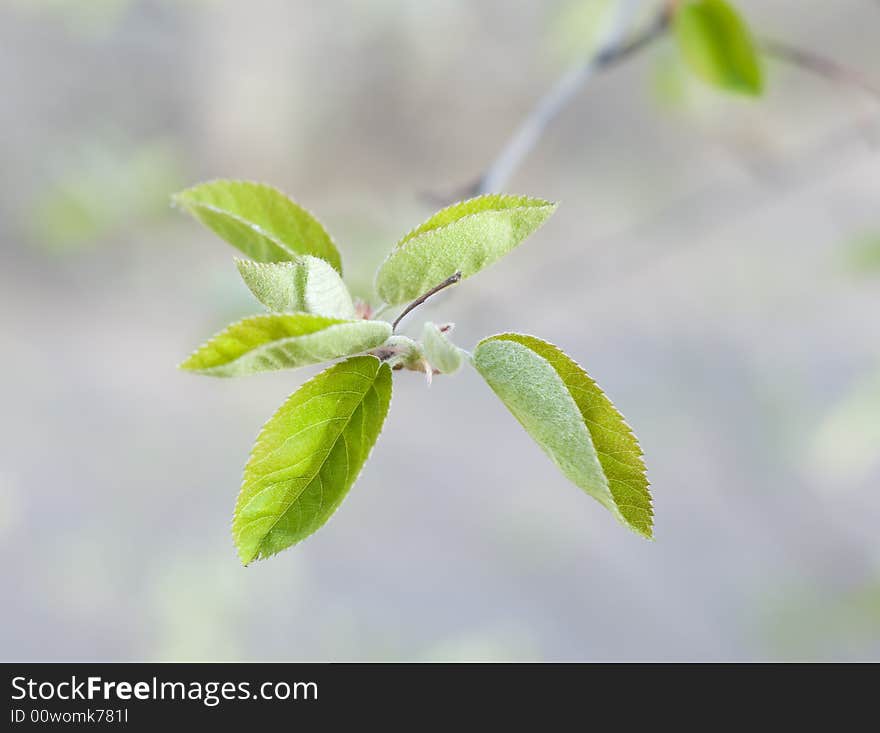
307 285
308 455
441 353
465 237
401 352
283 341
567 414
715 42
260 220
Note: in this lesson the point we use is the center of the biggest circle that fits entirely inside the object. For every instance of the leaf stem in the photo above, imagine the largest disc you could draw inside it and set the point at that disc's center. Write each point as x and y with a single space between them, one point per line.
451 280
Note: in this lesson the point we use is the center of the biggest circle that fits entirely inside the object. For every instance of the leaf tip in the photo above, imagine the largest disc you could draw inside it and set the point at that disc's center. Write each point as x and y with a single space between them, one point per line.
246 559
179 200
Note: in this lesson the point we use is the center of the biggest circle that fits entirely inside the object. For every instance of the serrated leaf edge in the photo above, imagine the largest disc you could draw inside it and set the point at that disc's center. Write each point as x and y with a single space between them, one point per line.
257 442
182 205
270 265
410 238
629 430
538 203
336 322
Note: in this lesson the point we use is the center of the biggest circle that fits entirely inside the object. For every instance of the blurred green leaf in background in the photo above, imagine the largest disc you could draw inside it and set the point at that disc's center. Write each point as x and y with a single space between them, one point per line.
822 625
102 188
863 254
92 20
717 45
845 444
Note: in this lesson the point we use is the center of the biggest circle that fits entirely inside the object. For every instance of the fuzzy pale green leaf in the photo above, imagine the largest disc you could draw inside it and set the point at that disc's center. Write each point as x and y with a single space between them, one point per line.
283 341
307 285
716 44
308 455
464 237
441 353
260 221
567 414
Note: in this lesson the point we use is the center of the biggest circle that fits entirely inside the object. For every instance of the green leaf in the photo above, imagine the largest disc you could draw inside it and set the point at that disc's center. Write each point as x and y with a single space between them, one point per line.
567 414
283 341
308 455
441 353
465 237
307 285
717 45
260 221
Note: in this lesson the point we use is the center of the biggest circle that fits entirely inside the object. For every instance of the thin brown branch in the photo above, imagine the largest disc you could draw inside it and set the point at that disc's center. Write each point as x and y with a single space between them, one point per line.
615 51
451 280
533 127
819 65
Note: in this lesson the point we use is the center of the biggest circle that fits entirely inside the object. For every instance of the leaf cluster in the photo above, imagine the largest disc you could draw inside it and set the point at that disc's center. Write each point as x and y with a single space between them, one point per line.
310 452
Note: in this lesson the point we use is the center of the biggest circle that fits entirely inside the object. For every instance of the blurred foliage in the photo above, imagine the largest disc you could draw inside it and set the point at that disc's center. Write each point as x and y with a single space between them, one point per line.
809 624
730 118
101 188
198 609
674 87
91 19
863 254
845 444
716 44
576 27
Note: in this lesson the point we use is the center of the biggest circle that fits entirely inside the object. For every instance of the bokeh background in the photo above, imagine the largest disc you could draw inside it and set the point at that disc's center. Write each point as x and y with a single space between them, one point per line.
714 263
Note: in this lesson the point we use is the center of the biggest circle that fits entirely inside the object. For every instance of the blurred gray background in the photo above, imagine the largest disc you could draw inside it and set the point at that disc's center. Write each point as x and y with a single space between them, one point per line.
714 264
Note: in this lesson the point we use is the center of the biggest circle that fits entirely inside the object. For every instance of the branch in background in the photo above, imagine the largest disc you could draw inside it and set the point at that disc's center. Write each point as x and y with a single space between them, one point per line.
612 51
818 65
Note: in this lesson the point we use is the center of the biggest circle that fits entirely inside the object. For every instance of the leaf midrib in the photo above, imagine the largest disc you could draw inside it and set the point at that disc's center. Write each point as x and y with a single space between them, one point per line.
415 234
256 228
276 343
372 388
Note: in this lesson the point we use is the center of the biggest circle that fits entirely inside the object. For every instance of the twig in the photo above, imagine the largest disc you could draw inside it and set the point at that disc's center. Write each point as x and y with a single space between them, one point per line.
451 280
819 65
612 51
